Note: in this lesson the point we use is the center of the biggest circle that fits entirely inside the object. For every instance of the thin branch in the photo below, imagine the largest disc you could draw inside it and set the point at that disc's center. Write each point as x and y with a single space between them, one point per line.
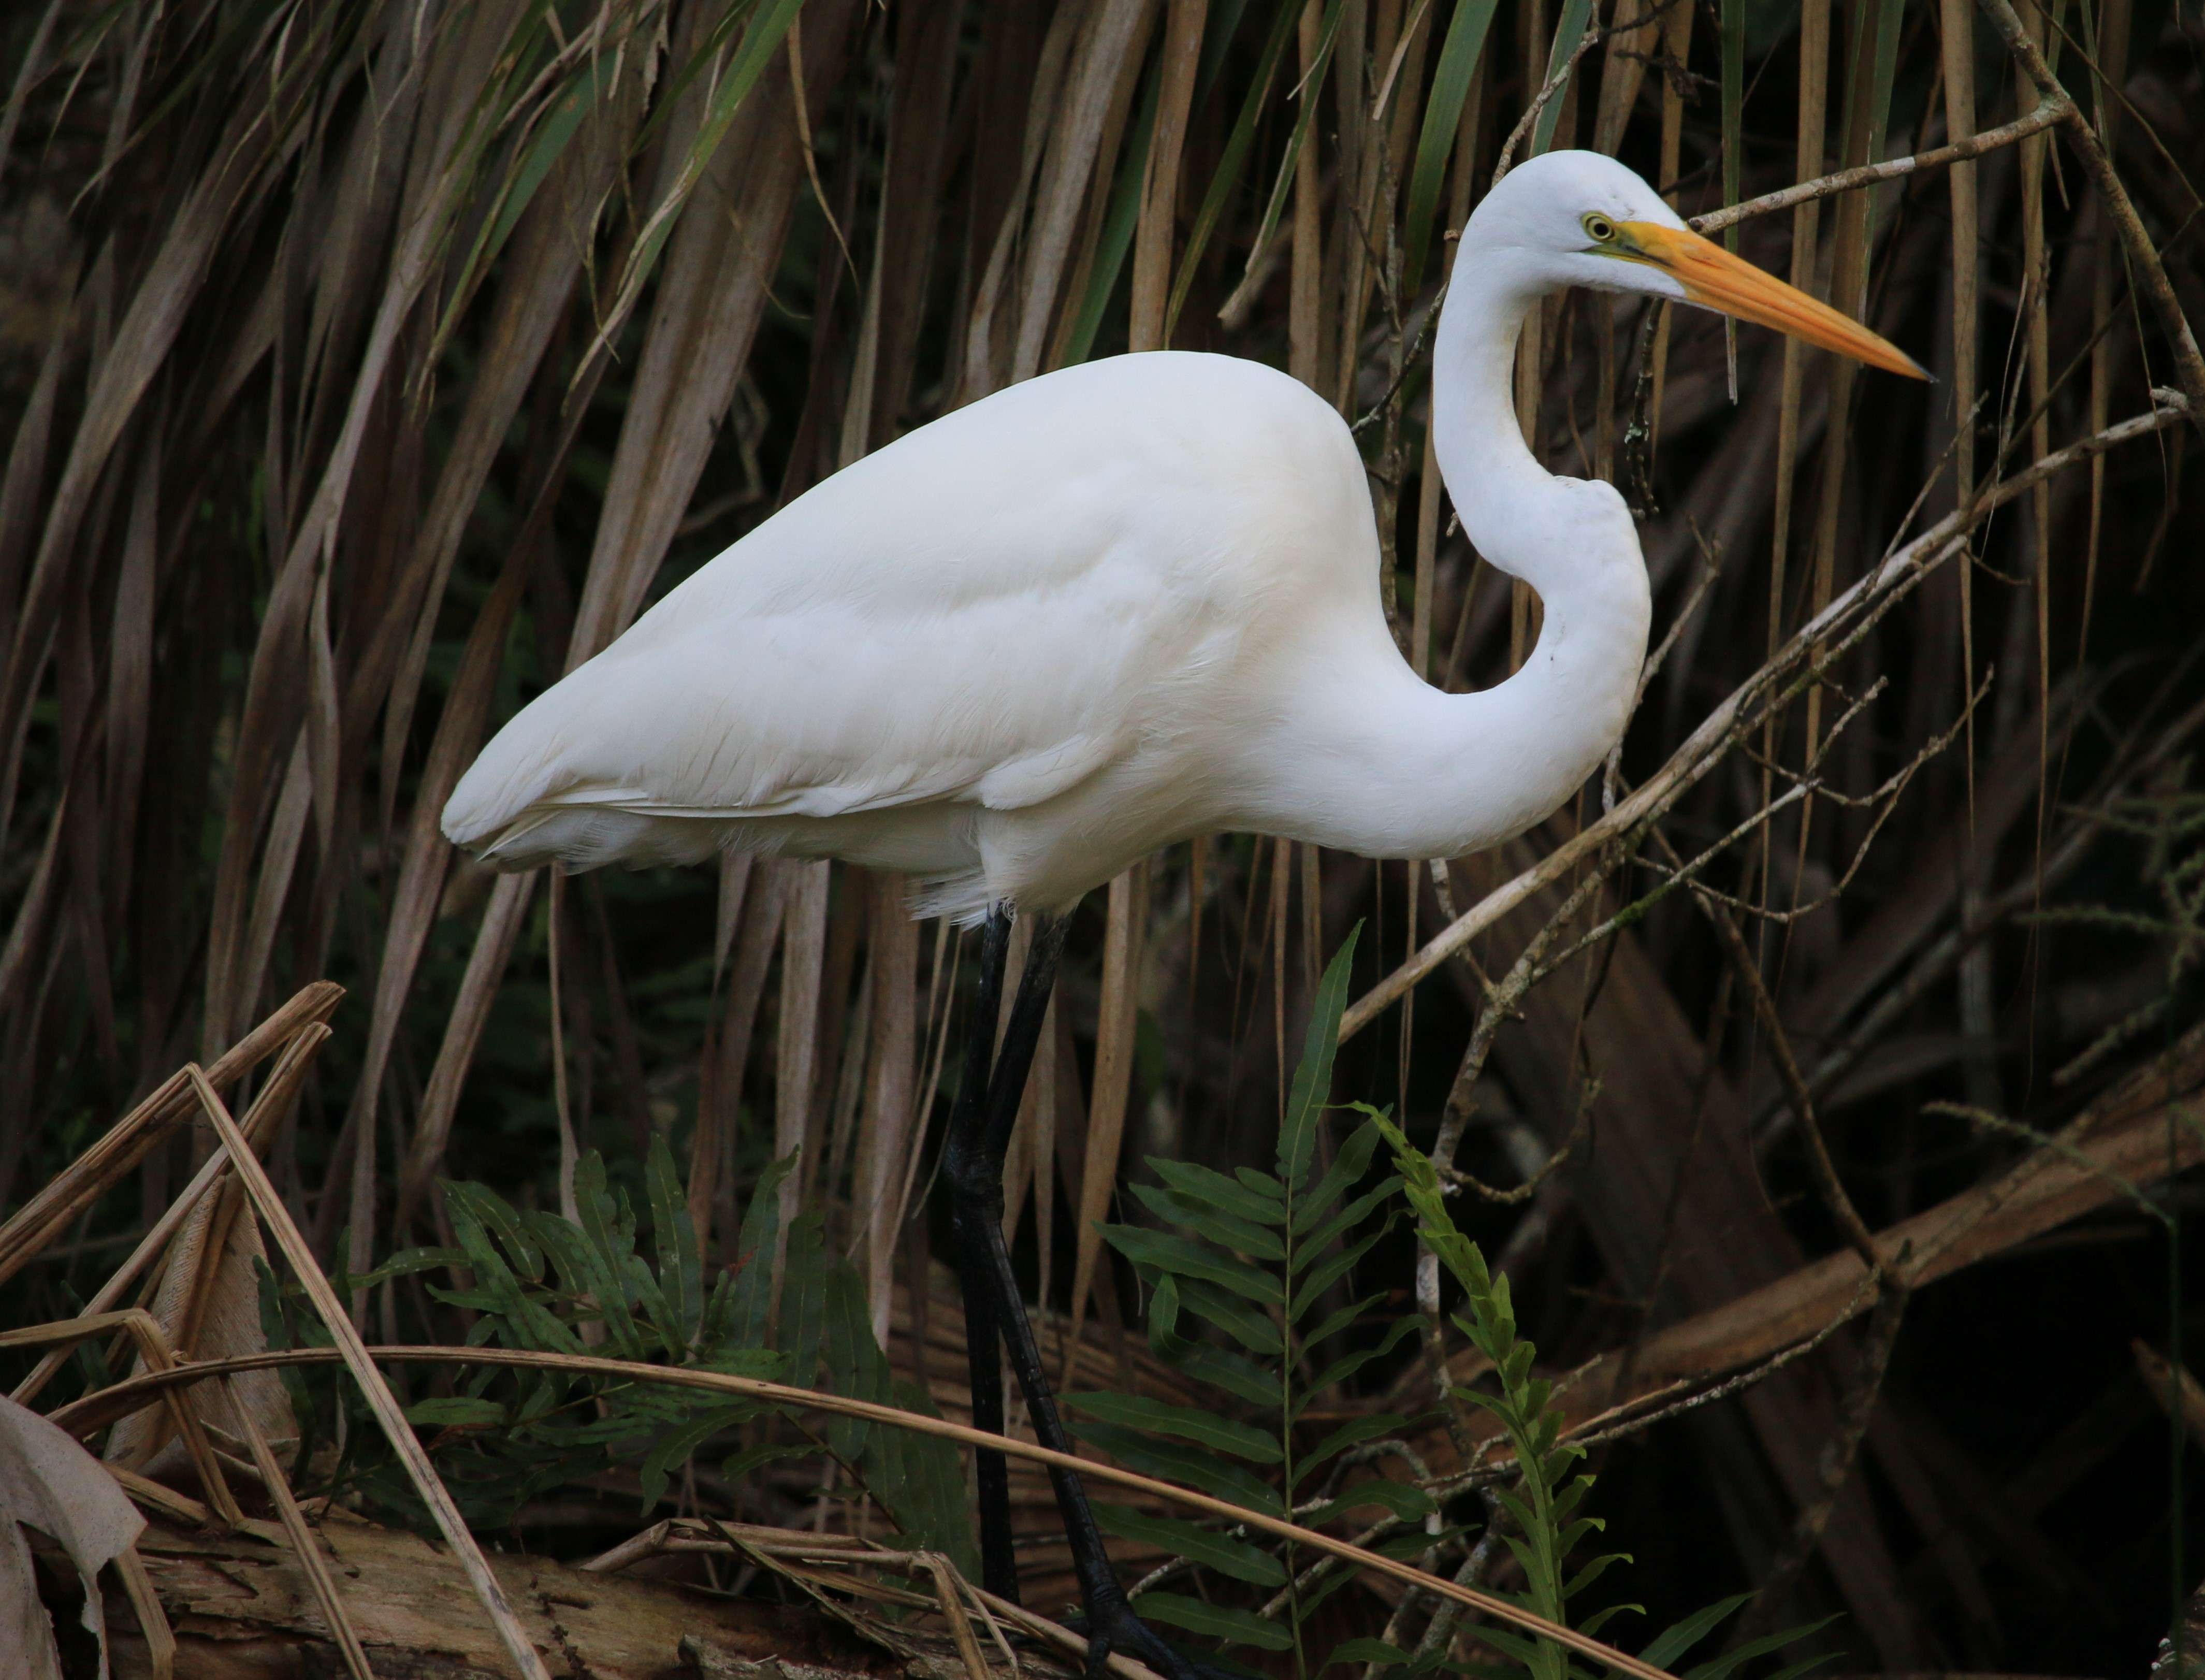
2044 117
1873 594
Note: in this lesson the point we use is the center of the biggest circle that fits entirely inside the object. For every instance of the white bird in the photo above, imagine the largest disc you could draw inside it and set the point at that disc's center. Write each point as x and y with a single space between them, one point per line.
1113 607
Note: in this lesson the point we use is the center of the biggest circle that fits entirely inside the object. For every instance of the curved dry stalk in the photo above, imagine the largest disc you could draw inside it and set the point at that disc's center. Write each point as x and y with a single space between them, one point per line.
95 1410
380 1400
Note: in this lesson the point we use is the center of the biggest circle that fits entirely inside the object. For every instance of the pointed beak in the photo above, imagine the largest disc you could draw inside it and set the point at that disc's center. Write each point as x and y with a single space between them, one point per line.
1714 279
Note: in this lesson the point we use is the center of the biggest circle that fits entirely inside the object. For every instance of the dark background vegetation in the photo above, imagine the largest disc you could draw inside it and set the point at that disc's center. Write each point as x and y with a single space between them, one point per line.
241 425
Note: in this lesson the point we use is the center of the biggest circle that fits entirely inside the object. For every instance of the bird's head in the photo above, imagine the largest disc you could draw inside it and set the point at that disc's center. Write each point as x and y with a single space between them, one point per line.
1580 218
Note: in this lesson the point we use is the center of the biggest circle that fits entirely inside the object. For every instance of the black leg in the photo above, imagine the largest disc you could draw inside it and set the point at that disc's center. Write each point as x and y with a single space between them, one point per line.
962 1168
973 1171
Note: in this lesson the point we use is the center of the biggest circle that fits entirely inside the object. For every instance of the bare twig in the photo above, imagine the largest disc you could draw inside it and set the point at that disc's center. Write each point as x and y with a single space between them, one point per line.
1892 169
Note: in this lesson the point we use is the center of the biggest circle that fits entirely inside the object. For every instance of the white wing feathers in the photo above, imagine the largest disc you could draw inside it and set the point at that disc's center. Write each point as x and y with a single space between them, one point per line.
979 617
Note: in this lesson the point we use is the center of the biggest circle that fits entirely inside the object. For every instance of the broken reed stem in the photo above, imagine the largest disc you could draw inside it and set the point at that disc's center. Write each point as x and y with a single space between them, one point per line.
130 1139
345 1636
152 1619
156 1355
1721 730
274 1099
124 1396
381 1401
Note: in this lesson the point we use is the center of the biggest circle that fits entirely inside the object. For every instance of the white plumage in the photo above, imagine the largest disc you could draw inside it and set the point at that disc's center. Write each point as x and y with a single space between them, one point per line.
1123 604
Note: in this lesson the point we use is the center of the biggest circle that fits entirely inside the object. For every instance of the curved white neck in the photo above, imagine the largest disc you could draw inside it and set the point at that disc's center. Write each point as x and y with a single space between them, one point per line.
1394 768
1510 505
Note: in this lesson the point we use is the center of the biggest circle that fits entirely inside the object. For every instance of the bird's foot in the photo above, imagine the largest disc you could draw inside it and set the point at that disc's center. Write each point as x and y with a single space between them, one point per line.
1113 1627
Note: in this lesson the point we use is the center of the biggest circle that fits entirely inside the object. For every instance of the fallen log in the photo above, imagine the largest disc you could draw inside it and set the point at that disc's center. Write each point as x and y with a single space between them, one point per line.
242 1609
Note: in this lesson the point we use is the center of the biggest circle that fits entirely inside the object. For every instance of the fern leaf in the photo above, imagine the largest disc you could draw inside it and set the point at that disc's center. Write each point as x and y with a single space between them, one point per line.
1207 1184
1241 1236
1235 1627
1186 1258
1207 1428
1221 1552
1171 1461
1313 1077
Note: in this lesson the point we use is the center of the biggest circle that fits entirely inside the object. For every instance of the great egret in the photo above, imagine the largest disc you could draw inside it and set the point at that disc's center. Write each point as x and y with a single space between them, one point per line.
1123 604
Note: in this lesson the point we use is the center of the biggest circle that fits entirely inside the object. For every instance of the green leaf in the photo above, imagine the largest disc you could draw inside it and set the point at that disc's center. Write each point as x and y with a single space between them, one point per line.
751 1298
1226 178
1312 1085
674 1448
1217 1621
1207 1184
1190 1259
1309 93
1222 1229
1313 1284
1253 1329
1164 1339
768 27
1221 1367
1221 1552
1592 1571
1349 1363
680 1257
1733 1659
1436 140
493 1212
1396 1499
1349 1434
1670 1643
1568 34
1346 1220
737 1466
1263 1183
458 1411
1346 1170
1118 224
1136 1411
1337 1320
1172 1461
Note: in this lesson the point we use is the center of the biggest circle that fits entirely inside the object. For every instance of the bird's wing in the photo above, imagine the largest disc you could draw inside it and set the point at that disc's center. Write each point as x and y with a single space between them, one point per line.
977 613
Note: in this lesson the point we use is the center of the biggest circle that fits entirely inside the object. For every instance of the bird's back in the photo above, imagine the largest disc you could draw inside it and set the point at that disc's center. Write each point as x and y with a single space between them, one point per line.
978 618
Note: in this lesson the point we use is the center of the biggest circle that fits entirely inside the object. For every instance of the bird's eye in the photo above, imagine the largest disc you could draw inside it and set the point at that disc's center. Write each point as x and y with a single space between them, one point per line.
1598 229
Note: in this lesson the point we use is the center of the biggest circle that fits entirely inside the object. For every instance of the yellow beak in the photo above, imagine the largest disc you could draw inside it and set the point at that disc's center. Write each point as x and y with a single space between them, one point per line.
1714 278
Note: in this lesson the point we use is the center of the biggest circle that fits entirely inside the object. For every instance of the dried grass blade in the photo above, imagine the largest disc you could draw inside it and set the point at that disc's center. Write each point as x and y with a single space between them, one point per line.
377 1392
304 1546
268 1108
1113 1072
433 1128
145 1605
38 1220
1116 33
1152 244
